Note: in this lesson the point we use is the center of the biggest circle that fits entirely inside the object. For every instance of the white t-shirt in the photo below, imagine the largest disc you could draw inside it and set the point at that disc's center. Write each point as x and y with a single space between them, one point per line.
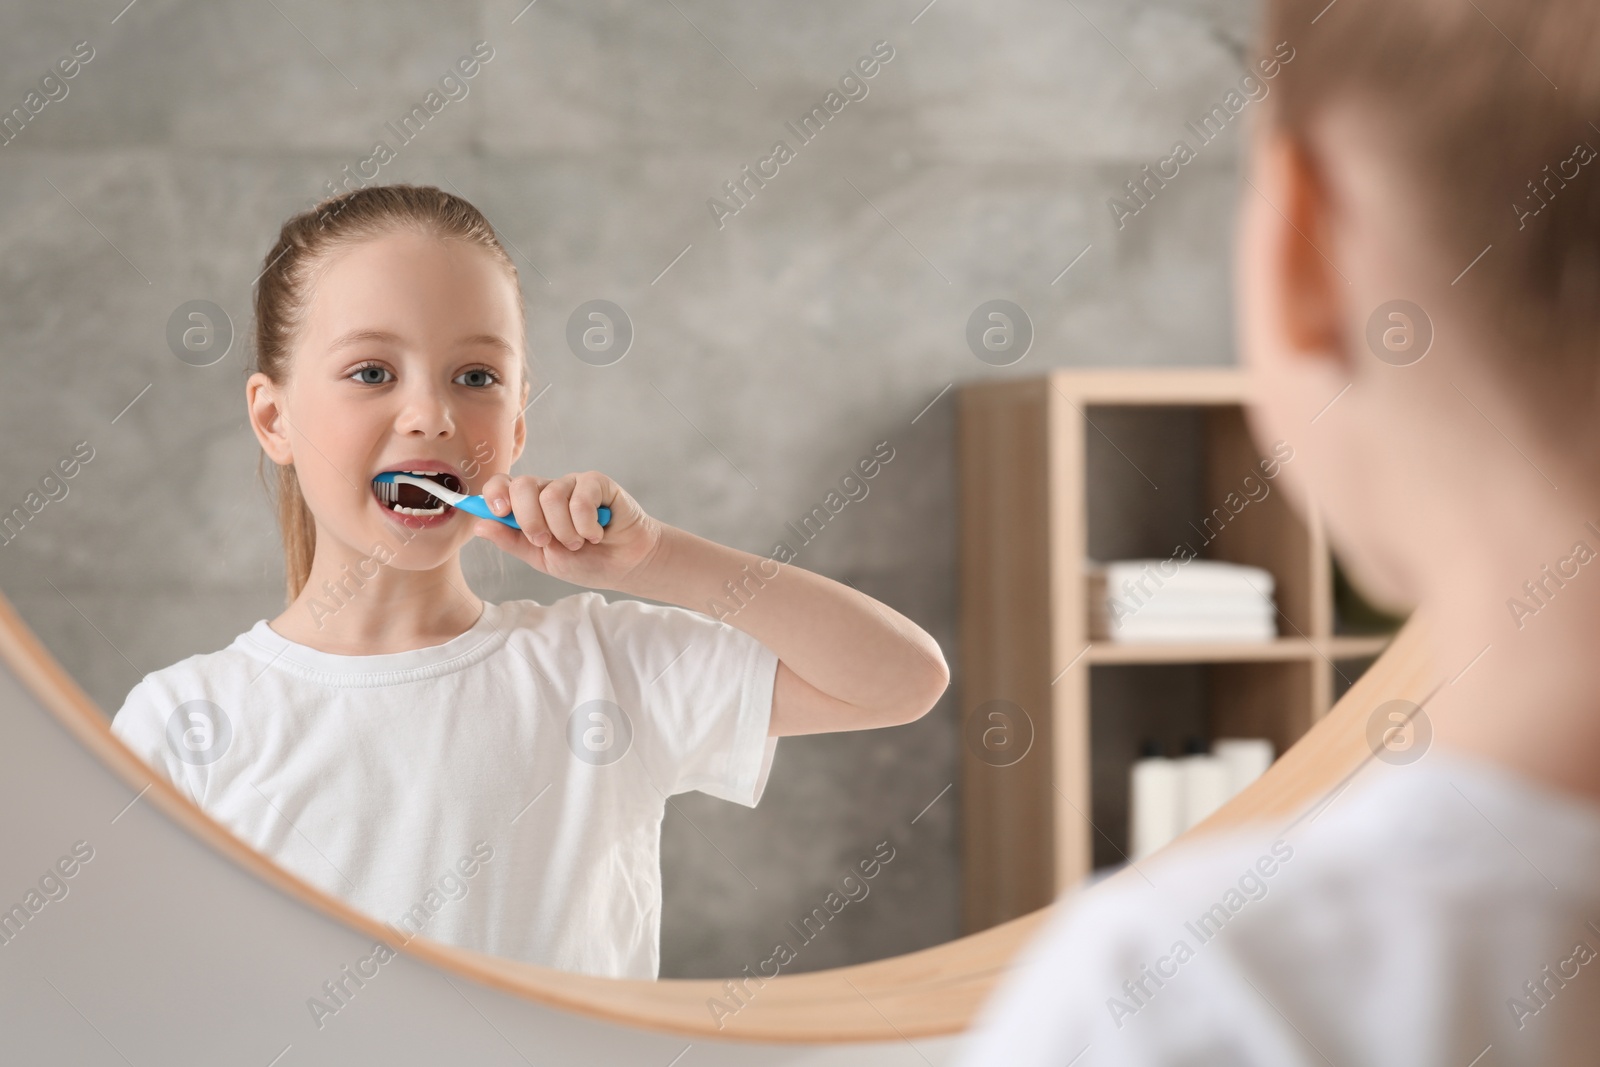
1431 911
486 792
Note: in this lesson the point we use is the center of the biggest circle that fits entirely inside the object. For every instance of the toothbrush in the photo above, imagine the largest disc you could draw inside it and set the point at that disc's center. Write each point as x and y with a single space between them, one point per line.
388 490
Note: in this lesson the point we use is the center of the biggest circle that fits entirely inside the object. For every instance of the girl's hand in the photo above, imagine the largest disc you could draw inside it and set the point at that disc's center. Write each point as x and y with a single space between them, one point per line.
561 534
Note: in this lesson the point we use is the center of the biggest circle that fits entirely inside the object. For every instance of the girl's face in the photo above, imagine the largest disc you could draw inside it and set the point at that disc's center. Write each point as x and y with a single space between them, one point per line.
409 358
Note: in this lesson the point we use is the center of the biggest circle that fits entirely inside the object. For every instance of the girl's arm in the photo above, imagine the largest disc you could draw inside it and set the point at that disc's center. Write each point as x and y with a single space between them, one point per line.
846 662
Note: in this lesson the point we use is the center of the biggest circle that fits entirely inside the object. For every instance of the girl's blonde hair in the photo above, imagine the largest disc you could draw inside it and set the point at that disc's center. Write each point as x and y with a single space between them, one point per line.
283 292
1491 155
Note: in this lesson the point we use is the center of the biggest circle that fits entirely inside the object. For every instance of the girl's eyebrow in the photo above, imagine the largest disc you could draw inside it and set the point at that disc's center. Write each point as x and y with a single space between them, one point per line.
355 337
494 340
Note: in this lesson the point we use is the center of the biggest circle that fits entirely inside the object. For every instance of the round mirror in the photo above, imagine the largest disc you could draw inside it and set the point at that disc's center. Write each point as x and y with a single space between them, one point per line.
791 324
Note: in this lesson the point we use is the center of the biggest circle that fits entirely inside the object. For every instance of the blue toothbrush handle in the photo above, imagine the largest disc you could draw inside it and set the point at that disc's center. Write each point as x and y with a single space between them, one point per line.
475 505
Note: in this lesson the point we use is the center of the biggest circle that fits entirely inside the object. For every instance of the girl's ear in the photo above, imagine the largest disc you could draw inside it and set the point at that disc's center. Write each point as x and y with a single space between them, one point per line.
264 403
1310 294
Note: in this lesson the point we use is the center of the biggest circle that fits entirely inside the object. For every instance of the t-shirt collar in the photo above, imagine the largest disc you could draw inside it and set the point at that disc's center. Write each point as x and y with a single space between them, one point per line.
277 652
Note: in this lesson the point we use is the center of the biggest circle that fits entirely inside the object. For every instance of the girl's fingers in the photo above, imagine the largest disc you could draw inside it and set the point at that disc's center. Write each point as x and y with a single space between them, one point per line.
561 509
587 496
496 492
524 492
556 498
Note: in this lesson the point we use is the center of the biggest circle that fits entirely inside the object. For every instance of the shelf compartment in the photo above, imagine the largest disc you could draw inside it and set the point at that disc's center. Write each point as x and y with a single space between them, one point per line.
1171 702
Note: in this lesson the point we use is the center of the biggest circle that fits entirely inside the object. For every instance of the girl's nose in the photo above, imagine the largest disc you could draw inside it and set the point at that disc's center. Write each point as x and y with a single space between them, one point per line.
426 414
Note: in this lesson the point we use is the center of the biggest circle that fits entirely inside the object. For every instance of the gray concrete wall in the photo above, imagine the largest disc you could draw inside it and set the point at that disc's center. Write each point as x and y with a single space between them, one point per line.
822 318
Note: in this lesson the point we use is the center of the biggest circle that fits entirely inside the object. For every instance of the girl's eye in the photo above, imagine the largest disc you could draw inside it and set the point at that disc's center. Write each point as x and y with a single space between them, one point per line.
371 374
478 377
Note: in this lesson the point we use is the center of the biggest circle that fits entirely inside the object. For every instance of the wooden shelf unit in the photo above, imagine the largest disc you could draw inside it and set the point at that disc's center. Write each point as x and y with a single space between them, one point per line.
1023 448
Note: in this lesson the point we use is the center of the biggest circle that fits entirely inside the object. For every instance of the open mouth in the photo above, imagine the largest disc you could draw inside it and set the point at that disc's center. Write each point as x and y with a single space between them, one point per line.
408 499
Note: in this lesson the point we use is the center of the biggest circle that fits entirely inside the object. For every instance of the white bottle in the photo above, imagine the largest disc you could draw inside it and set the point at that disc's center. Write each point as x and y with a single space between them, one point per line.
1155 809
1207 783
1247 758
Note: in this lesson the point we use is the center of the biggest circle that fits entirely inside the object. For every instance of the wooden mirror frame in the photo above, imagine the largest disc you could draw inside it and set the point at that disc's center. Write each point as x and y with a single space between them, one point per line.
928 993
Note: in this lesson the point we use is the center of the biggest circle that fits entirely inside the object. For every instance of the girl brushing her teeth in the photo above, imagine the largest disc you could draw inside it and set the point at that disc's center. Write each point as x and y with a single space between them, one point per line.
489 775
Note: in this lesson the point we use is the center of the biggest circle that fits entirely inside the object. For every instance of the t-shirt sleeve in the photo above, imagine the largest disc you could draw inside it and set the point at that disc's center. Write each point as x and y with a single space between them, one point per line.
140 725
704 692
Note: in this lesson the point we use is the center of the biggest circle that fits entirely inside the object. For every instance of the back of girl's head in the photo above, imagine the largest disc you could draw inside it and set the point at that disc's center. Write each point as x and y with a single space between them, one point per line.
305 245
1481 110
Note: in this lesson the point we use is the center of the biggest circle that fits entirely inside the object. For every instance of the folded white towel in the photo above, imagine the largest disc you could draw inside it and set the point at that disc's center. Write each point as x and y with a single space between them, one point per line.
1174 574
1170 600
